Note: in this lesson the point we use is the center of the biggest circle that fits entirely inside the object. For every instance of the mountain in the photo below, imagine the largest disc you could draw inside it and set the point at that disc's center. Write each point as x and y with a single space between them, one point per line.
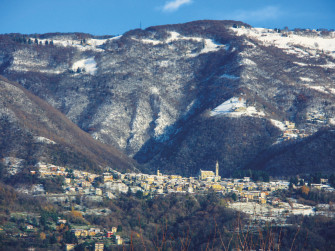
179 97
314 154
32 130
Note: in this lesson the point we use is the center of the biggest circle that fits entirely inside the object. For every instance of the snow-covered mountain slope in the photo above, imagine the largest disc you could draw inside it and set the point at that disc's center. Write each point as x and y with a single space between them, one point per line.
135 87
32 130
144 90
304 44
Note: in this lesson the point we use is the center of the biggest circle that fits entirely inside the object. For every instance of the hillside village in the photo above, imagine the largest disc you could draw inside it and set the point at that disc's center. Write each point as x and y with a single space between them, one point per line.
109 185
258 199
112 183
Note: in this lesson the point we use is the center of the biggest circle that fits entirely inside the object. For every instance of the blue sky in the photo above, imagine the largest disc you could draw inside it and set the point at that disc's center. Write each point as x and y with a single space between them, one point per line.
116 17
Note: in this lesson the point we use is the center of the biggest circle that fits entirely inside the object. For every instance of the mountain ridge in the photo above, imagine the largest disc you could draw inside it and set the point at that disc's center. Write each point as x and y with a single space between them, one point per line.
146 90
38 121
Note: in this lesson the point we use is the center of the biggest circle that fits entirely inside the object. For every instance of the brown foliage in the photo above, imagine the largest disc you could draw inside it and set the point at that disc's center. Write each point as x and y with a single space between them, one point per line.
305 190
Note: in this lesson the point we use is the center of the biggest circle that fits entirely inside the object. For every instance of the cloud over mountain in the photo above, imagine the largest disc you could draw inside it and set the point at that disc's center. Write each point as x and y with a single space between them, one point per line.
175 5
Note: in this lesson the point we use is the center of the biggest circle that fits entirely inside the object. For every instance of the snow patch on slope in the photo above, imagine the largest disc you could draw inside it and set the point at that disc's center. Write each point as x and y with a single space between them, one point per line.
317 88
150 41
236 107
278 124
89 44
247 62
301 64
40 139
332 121
288 41
115 38
139 123
14 165
306 79
88 65
330 65
163 124
173 36
232 77
26 60
209 45
154 90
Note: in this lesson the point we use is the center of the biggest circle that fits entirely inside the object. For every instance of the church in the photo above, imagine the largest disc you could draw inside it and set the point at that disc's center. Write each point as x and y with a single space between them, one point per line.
209 175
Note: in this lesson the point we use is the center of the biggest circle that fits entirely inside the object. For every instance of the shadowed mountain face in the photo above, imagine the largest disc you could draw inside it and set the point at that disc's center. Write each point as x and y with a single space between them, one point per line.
32 130
180 97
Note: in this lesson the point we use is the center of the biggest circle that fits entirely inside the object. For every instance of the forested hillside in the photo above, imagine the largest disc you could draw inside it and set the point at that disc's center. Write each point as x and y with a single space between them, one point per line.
31 130
179 97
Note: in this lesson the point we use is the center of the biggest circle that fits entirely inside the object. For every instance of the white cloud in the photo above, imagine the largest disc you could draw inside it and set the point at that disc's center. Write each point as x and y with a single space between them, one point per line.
175 5
267 13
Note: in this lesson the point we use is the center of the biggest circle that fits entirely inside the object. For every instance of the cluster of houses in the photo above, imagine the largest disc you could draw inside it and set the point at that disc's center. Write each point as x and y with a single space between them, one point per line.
245 191
291 132
112 183
97 232
254 198
98 246
50 170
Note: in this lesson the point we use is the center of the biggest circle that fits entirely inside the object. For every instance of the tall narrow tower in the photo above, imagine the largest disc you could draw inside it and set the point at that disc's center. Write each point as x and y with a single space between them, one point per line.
217 169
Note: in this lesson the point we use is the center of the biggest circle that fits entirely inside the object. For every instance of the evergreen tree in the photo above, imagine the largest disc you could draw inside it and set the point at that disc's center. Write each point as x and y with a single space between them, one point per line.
301 183
129 193
234 196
